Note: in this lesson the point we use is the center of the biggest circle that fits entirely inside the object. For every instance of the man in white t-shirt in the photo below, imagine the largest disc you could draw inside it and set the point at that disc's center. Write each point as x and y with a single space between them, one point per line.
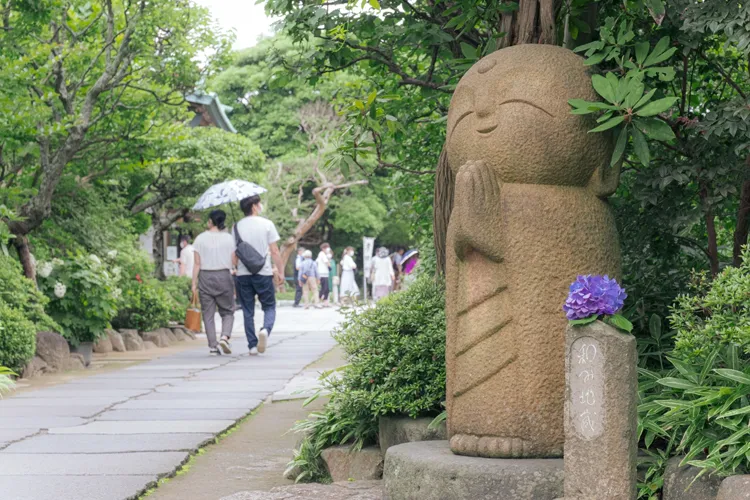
187 257
261 234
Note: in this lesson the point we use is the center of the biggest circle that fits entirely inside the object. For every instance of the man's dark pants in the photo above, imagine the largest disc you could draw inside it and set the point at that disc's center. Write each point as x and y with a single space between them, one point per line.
248 287
297 289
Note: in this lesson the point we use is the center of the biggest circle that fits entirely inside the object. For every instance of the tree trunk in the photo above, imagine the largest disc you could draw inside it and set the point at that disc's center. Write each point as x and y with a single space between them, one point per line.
743 220
322 195
710 219
533 22
24 255
158 246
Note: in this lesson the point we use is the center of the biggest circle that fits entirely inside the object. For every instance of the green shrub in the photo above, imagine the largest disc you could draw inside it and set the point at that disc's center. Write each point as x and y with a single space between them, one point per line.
179 290
144 306
17 338
83 296
699 407
19 292
717 312
6 382
396 354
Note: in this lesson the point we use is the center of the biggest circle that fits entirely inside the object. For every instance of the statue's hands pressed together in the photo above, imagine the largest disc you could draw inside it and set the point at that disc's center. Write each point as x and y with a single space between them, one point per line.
476 212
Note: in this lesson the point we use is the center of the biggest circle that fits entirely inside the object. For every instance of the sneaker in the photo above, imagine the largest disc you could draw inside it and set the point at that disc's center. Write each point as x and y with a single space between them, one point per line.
254 351
214 352
262 340
226 347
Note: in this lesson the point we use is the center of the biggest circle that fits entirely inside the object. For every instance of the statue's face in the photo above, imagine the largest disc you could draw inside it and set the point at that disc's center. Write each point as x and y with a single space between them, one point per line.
511 111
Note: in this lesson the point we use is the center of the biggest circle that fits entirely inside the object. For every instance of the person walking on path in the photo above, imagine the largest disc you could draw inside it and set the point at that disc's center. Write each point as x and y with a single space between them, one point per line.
349 288
297 287
213 281
187 259
383 275
397 257
324 272
308 278
261 234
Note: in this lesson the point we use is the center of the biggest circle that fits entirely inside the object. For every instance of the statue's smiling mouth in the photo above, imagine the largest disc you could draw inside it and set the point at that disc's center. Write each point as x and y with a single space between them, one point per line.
488 129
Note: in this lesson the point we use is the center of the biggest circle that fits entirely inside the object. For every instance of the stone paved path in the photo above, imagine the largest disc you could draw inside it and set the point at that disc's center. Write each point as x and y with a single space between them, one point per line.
111 436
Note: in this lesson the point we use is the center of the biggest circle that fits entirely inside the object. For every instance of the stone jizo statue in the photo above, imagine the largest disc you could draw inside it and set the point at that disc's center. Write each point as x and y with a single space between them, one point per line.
520 211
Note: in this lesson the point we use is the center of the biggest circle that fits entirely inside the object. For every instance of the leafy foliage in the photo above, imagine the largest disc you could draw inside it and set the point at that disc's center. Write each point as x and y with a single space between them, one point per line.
715 313
700 408
145 306
396 353
6 382
17 338
179 290
21 294
83 297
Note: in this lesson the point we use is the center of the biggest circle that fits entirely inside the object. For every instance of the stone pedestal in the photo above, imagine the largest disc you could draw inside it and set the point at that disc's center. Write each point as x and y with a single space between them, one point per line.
428 470
600 413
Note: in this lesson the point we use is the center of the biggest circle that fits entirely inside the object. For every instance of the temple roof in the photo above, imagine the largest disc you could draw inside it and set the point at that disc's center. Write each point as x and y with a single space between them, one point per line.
209 111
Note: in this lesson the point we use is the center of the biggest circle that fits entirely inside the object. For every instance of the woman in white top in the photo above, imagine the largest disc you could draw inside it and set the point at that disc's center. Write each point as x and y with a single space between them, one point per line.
324 272
349 286
382 274
213 280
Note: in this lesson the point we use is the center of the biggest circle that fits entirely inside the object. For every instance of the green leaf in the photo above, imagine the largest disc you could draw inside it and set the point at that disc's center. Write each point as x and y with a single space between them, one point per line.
660 59
734 375
677 383
595 59
613 122
655 129
656 9
661 46
619 321
622 141
375 4
740 411
584 321
468 51
655 107
635 92
641 51
641 147
654 326
645 99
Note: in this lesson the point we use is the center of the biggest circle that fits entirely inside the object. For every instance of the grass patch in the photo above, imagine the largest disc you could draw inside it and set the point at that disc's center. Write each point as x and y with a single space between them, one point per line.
185 468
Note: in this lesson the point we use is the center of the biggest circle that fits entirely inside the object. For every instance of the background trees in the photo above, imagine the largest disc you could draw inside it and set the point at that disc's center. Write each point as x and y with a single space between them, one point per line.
80 81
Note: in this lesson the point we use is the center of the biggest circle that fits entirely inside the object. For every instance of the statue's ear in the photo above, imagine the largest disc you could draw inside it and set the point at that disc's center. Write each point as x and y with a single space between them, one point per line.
605 180
445 185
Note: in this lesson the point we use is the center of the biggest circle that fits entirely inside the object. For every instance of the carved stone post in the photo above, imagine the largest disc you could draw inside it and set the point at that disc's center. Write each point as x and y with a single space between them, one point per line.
600 413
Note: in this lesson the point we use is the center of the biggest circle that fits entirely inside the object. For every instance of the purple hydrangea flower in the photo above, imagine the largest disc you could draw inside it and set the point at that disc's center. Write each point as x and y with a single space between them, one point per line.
593 295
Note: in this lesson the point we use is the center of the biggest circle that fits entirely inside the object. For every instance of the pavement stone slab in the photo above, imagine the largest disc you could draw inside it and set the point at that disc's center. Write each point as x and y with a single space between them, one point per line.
81 393
81 464
147 427
149 416
218 387
99 443
40 422
10 435
96 384
42 402
158 375
197 404
63 487
175 414
52 411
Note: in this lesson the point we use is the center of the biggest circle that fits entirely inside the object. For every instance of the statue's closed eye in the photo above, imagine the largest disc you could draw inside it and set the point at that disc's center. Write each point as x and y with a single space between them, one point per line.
523 101
463 115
